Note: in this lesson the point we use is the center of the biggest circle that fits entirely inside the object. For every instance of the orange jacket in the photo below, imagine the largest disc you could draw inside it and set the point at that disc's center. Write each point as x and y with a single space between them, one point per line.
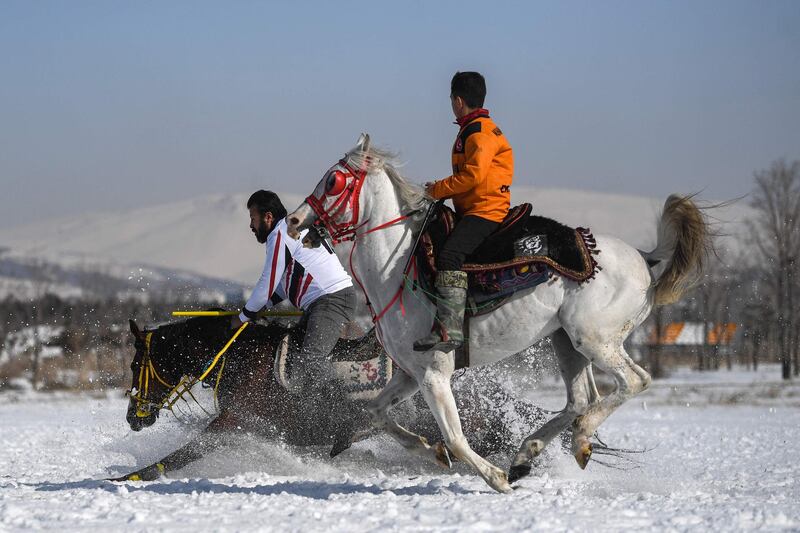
483 169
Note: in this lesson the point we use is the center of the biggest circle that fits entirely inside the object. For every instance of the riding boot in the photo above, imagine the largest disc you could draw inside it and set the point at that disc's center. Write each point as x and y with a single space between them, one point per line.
448 328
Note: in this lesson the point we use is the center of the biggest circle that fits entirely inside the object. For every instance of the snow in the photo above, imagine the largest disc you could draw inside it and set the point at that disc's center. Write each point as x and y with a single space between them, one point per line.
25 289
724 463
19 343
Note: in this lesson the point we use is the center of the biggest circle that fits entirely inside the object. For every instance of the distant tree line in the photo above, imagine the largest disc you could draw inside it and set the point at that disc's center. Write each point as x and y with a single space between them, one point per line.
94 339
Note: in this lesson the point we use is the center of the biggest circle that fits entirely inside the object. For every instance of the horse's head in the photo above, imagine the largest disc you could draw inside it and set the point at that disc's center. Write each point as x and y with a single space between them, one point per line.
149 385
334 203
338 205
170 359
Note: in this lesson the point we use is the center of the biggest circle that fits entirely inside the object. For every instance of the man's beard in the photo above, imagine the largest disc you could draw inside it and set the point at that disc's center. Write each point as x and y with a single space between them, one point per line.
262 232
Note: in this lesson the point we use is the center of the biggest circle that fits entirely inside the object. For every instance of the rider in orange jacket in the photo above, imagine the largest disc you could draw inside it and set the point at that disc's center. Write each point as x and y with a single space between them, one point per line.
480 187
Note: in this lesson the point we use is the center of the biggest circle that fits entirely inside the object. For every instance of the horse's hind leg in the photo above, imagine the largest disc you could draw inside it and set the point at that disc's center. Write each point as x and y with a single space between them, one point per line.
435 386
576 371
630 378
401 387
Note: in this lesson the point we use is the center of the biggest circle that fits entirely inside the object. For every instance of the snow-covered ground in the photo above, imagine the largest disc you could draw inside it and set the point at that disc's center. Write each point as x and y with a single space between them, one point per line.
722 457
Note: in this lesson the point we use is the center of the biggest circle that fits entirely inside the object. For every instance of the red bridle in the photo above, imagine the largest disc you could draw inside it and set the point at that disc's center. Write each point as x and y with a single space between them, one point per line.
347 198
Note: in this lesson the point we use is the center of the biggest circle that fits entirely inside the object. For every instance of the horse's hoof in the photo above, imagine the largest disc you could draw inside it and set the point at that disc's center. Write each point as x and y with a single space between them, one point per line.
583 455
150 473
535 448
442 455
517 472
339 446
502 485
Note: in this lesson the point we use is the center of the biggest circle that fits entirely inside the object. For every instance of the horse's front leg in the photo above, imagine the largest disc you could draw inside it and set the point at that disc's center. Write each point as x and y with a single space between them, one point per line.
438 395
207 441
400 388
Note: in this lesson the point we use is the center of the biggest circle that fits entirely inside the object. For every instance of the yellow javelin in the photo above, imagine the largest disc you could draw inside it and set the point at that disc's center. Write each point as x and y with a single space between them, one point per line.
231 313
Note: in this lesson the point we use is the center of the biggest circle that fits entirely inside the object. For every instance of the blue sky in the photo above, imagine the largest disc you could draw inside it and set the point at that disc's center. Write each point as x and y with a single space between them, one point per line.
121 104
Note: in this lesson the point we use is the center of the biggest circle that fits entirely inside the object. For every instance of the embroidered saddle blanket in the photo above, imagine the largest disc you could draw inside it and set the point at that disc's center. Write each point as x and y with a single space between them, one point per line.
361 364
523 252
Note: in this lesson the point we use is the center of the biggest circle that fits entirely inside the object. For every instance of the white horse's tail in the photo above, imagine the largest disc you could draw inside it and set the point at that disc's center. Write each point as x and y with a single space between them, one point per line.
684 241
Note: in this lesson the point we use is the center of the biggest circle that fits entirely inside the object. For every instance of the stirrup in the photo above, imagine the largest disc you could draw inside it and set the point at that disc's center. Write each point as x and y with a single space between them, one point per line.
434 341
447 346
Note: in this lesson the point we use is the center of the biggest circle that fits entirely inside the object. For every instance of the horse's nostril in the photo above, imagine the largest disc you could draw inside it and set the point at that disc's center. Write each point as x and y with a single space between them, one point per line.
294 221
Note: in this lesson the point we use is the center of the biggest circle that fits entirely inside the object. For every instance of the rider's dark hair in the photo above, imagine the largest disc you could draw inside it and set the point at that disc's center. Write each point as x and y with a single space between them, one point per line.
267 202
470 86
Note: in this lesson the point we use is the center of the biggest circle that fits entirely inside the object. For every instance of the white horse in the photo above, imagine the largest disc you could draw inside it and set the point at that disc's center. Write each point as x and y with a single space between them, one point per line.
364 199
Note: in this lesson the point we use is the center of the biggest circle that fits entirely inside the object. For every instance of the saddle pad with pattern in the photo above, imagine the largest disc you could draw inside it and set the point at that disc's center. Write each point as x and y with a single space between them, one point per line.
361 364
521 239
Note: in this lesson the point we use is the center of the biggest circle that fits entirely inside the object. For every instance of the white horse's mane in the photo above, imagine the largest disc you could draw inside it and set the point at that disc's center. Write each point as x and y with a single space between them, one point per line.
378 159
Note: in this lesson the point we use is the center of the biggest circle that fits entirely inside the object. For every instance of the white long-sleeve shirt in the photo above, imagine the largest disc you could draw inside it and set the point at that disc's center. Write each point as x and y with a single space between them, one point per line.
296 273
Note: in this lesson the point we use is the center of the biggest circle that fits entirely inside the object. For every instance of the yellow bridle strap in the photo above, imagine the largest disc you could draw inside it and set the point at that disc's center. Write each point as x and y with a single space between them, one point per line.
141 378
216 385
152 370
183 386
222 352
146 370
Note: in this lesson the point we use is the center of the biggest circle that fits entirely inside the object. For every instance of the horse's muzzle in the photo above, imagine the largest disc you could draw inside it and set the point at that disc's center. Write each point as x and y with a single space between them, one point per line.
137 423
299 220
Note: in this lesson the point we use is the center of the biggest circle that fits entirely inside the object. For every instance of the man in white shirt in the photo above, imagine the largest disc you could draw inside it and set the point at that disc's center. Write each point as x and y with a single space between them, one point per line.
312 279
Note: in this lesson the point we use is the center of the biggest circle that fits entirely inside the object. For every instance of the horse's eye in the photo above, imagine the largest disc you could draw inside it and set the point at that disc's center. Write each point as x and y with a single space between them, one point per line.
334 184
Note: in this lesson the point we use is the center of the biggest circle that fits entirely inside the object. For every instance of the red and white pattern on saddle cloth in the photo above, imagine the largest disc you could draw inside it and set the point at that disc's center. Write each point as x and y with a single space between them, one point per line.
363 380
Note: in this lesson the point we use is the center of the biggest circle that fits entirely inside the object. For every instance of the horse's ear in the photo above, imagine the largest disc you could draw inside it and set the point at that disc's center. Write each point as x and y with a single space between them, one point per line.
135 330
363 142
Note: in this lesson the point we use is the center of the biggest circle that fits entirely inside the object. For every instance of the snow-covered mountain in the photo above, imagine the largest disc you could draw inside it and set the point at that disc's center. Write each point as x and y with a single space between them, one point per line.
201 241
27 275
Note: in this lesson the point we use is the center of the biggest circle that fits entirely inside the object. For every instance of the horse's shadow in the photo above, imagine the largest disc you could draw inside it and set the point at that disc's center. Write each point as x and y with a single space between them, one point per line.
316 490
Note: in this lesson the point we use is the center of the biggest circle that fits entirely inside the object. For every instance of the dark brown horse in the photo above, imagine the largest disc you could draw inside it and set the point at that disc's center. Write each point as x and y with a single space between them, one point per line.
250 398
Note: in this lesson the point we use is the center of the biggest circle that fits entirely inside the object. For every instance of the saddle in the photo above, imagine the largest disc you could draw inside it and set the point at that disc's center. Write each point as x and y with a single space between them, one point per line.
360 364
524 251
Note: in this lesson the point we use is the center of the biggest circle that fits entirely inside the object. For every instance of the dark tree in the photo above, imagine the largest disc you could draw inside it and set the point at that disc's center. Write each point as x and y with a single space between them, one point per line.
776 231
